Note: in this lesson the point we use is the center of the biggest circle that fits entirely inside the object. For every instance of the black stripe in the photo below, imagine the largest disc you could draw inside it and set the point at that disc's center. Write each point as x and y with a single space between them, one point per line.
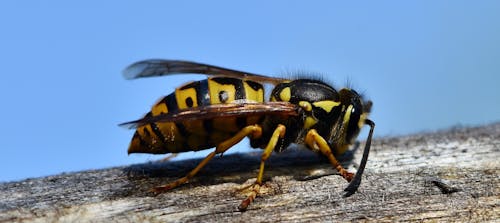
171 103
240 90
147 134
158 132
142 142
202 94
182 130
203 97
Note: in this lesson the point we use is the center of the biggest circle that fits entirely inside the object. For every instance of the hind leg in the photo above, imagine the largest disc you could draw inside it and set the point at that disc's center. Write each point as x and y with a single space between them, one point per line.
254 131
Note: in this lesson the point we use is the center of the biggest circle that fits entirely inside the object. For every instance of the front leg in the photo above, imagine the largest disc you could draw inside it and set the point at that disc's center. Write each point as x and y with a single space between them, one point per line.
315 141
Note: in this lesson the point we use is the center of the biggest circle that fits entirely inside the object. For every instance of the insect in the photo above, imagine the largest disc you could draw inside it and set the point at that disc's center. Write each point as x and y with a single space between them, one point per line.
220 111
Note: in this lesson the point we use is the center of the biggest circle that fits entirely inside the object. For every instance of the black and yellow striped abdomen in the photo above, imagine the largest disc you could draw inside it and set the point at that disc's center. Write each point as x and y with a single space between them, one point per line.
194 135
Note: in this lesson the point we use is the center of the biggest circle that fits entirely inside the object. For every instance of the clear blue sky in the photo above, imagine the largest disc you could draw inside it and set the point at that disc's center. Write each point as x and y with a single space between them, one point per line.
426 65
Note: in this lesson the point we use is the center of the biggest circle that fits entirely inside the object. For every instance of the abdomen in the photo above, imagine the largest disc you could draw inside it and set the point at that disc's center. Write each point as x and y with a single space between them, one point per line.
193 135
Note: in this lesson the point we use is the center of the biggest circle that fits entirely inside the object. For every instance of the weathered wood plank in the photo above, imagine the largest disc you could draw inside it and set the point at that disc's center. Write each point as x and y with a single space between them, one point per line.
451 175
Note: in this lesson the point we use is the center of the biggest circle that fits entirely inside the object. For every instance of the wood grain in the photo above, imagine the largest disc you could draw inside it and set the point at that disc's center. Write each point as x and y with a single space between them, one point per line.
451 175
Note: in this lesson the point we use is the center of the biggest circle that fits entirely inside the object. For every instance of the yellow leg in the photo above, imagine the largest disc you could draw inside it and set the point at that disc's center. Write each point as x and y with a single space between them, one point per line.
254 131
169 157
278 133
316 141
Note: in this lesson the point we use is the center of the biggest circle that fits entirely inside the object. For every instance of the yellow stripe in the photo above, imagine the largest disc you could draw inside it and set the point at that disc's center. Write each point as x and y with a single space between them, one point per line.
285 94
193 126
253 95
215 88
182 95
159 108
326 105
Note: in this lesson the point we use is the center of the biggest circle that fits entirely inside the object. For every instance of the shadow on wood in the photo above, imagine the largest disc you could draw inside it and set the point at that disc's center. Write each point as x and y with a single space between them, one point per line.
300 164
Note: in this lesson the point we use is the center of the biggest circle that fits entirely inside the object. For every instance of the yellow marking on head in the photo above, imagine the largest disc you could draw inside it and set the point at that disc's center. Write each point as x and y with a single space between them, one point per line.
286 94
347 115
159 108
309 122
326 105
182 97
305 105
252 94
215 88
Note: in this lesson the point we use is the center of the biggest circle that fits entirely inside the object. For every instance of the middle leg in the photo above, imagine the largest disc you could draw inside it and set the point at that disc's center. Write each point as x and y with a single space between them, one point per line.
278 133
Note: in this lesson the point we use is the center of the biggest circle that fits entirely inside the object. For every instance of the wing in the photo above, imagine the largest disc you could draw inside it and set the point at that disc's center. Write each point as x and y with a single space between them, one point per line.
157 67
219 111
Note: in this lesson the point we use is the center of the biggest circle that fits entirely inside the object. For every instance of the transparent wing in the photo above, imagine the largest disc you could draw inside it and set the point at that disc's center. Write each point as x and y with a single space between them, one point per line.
158 67
218 111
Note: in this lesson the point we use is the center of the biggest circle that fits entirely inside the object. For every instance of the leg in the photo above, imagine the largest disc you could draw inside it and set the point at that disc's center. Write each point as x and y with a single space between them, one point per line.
253 130
169 157
278 133
314 140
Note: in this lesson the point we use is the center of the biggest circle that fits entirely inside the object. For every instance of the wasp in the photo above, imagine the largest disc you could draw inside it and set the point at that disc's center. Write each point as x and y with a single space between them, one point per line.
228 106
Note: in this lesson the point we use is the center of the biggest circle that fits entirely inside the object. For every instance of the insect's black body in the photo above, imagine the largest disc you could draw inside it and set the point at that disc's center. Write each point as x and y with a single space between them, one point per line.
223 109
300 90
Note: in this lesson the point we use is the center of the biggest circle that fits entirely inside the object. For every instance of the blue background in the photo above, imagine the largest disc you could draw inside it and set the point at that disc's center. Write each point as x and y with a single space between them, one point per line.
427 65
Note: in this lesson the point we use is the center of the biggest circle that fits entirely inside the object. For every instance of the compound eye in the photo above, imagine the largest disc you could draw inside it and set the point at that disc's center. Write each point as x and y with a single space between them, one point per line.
355 111
352 126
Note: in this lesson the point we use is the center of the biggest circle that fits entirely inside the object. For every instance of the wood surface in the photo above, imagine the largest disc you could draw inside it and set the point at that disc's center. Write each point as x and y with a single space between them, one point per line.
451 175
